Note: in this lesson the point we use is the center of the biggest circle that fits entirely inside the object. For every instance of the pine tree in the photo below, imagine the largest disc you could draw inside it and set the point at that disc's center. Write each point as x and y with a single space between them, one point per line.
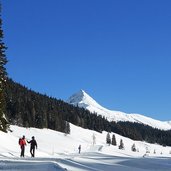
108 139
121 145
113 139
67 128
3 76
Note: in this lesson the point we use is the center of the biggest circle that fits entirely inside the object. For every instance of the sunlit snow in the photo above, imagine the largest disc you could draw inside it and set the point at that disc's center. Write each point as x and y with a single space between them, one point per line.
57 152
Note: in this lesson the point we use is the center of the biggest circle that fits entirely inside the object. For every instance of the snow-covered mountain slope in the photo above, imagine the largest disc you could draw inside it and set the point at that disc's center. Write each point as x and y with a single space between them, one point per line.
57 151
82 99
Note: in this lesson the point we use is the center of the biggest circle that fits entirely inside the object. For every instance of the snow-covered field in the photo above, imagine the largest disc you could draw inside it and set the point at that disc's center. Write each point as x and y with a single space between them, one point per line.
57 152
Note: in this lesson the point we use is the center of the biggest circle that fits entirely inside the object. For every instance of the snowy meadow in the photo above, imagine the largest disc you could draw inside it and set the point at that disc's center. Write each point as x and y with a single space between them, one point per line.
57 151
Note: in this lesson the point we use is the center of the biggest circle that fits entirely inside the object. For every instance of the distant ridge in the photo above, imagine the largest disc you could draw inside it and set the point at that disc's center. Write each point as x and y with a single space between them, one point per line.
82 99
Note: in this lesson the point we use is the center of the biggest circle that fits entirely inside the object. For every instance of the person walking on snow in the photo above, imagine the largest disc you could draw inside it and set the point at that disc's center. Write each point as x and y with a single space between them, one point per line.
33 145
79 149
22 143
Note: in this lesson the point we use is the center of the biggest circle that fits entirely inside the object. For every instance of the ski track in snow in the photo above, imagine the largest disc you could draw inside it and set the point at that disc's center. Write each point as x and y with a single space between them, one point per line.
26 165
101 162
92 161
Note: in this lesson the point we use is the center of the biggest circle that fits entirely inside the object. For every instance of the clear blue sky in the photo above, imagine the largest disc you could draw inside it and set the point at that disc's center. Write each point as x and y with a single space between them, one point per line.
118 51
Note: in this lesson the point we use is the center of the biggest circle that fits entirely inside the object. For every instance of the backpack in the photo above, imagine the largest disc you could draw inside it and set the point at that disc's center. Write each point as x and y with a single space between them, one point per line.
20 141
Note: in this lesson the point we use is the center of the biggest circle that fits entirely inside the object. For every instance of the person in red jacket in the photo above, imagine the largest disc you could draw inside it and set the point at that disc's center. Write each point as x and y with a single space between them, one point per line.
22 143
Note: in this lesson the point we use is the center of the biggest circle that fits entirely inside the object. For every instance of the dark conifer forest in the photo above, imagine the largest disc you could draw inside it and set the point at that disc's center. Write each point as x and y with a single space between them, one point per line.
27 108
3 76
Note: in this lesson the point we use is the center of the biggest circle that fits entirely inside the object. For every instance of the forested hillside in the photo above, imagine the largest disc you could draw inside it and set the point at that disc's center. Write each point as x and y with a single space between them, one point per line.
31 109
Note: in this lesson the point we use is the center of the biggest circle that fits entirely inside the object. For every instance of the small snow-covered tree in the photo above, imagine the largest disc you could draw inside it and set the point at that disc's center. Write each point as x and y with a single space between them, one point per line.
94 139
147 150
121 145
113 139
133 148
108 139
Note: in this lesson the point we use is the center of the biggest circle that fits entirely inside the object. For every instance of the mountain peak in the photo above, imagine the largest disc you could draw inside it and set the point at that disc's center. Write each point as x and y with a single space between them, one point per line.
82 99
81 93
77 97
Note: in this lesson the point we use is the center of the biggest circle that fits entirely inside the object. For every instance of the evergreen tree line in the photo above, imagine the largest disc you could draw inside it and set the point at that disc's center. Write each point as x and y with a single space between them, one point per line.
138 131
27 108
3 76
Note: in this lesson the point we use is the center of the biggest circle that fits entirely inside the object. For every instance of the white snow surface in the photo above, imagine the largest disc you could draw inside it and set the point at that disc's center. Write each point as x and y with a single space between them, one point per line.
82 99
58 152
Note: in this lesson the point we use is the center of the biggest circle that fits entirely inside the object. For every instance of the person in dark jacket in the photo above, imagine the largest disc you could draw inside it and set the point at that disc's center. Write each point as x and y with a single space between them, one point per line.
33 145
79 149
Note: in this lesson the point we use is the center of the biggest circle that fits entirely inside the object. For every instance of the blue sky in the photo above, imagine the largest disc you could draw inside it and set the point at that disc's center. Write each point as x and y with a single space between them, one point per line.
119 52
